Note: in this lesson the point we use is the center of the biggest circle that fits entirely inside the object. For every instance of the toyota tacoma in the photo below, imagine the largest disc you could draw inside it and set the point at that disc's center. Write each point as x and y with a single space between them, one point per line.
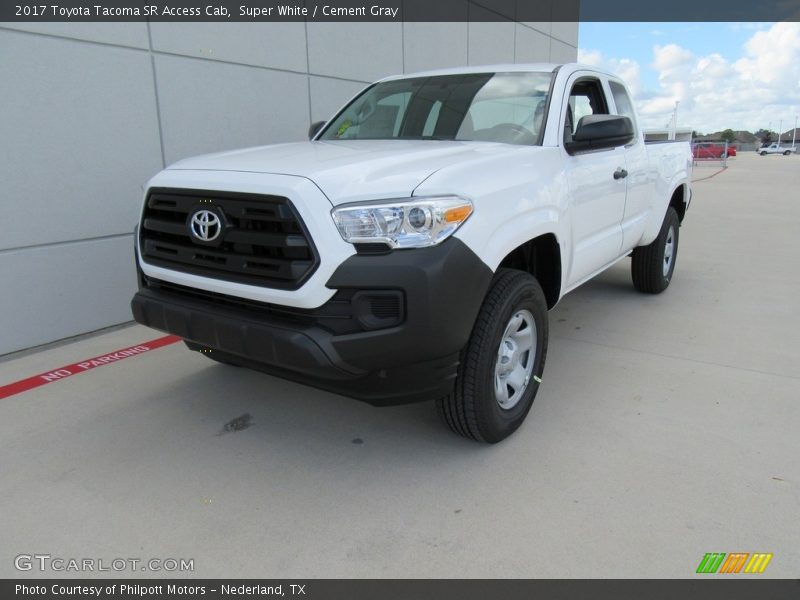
411 249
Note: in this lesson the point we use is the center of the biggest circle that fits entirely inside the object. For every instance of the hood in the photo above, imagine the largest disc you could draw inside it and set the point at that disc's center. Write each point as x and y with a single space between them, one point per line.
352 170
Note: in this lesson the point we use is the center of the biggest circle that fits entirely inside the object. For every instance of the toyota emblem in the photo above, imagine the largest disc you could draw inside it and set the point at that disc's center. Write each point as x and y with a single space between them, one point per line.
205 225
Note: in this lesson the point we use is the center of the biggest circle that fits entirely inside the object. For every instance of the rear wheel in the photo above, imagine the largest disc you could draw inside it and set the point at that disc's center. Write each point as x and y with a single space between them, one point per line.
787 153
502 363
652 265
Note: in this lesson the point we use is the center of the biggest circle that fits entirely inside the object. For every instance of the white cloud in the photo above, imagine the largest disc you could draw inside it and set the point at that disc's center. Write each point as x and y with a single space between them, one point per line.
772 58
760 87
629 70
671 57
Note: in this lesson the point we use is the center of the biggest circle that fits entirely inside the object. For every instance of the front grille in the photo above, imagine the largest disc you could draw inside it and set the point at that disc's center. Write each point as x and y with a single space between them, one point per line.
335 316
345 313
263 240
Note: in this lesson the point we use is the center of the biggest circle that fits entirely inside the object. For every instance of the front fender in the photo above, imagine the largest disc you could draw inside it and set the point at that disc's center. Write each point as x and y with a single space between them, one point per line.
517 198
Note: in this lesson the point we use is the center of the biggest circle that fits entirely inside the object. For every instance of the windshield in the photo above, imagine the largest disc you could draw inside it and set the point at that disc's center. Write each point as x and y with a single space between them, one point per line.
488 107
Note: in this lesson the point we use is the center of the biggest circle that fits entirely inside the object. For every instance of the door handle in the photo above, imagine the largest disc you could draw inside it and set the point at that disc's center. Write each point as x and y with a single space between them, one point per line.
620 173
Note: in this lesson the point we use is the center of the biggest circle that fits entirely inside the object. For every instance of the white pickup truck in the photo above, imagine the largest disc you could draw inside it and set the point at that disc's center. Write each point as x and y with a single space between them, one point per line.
412 248
776 149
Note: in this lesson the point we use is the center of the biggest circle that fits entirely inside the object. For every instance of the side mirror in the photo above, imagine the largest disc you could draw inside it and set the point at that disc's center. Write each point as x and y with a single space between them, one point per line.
597 132
315 128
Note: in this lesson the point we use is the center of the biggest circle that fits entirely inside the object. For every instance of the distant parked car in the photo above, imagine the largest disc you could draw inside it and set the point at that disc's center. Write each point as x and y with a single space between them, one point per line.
711 151
776 149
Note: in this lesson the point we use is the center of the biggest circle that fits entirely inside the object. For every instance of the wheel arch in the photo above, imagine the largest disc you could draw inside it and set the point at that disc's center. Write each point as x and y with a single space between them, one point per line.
678 200
541 257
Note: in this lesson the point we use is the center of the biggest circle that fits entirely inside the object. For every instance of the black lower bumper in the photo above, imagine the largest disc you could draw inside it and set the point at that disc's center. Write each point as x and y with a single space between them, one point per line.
415 359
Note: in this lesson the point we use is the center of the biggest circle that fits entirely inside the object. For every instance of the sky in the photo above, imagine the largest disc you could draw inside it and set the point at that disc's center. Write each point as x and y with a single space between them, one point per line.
743 76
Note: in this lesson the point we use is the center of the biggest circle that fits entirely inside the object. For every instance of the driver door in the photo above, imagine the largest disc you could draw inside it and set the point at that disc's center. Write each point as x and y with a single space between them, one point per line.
597 195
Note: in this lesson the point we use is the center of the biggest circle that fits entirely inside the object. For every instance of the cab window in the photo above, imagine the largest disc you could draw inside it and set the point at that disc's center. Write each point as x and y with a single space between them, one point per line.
623 101
586 98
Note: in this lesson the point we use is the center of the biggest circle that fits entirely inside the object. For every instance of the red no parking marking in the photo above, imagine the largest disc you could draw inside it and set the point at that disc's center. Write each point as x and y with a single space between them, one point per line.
86 365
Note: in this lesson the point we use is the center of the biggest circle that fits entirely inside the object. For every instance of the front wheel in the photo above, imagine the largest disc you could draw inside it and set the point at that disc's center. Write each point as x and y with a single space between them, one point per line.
652 265
502 363
763 154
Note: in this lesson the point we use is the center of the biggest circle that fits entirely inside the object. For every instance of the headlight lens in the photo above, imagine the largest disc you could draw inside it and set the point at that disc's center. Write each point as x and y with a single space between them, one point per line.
407 223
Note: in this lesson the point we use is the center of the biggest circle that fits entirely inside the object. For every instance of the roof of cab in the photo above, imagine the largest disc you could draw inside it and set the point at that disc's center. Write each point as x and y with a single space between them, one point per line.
503 68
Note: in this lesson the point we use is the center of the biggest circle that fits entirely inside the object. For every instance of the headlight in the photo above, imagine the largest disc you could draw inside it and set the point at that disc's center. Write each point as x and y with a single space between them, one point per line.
406 223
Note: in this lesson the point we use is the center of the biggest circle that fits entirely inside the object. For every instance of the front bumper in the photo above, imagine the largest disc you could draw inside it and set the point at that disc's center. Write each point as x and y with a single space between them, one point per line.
442 289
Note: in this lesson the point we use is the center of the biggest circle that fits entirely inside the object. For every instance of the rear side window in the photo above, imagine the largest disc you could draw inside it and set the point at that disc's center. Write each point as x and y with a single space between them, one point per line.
623 101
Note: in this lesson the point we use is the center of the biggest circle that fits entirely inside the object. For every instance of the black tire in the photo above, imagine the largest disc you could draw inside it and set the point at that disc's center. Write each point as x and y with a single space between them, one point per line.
212 354
787 153
763 154
473 409
648 262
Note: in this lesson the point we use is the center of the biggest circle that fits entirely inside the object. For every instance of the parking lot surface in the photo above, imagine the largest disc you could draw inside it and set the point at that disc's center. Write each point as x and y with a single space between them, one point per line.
666 427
